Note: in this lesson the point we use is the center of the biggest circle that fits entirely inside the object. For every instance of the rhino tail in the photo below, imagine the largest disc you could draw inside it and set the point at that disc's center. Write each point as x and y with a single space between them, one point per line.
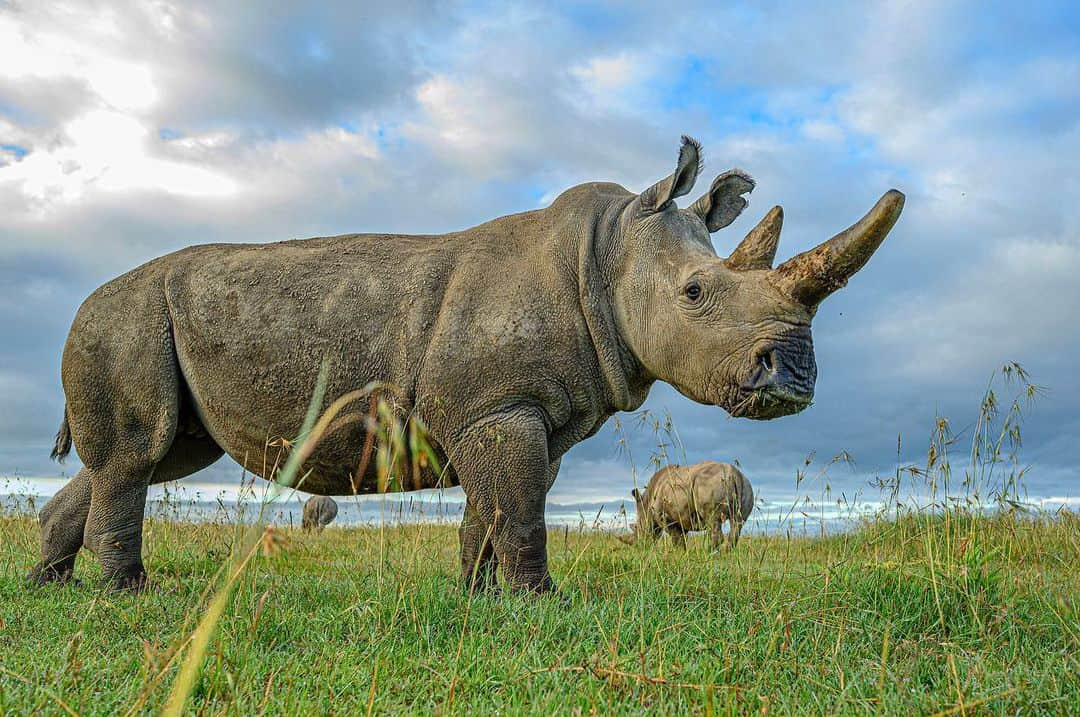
63 441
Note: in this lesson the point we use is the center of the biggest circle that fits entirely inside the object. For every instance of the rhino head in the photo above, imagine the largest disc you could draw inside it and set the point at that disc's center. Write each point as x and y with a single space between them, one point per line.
731 332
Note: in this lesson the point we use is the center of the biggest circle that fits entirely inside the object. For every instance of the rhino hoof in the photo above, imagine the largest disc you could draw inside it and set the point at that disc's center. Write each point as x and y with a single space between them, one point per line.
133 580
490 591
538 588
559 597
481 584
41 575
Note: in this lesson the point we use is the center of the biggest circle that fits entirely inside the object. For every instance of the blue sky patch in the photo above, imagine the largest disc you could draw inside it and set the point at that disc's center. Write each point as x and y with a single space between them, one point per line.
15 149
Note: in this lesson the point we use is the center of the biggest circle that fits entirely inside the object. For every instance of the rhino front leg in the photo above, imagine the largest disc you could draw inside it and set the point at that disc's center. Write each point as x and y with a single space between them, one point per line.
502 463
521 548
678 536
63 520
478 562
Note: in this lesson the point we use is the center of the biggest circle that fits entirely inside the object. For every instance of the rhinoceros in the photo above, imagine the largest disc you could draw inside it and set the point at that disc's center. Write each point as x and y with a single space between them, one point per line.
319 512
512 340
702 496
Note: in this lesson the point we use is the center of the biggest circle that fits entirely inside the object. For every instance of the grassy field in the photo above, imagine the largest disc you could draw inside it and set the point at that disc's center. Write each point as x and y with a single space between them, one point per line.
954 615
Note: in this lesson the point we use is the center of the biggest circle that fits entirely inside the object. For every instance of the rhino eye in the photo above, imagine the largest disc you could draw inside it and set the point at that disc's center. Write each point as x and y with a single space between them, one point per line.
693 291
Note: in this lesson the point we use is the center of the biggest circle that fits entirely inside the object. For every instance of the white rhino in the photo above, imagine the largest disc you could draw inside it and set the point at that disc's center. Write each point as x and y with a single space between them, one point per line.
319 512
702 496
512 341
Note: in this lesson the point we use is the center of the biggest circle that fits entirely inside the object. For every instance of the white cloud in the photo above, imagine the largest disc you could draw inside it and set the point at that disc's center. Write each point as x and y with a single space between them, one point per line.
608 74
611 83
821 130
108 146
106 151
38 53
462 118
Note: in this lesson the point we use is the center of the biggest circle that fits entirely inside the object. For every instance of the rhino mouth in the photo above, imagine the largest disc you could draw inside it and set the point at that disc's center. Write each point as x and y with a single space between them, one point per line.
770 402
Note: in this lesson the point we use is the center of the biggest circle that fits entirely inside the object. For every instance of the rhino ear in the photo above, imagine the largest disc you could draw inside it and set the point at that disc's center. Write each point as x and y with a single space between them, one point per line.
657 197
724 201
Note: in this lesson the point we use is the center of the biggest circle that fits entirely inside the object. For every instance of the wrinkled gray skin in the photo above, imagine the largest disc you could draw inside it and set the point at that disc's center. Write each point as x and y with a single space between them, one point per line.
704 496
513 341
319 512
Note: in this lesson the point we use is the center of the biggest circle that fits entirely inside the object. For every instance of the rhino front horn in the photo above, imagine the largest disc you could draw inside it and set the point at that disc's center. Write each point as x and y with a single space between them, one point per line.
811 276
757 249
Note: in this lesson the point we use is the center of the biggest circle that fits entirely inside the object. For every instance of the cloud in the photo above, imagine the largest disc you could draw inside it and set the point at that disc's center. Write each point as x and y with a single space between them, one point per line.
41 54
607 74
106 151
130 131
1017 296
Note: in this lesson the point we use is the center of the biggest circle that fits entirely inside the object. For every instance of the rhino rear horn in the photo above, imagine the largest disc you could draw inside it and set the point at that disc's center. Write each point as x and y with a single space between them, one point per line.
811 276
758 248
657 197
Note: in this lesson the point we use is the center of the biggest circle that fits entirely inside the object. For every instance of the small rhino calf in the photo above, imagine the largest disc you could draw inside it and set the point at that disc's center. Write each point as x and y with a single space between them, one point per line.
319 512
703 496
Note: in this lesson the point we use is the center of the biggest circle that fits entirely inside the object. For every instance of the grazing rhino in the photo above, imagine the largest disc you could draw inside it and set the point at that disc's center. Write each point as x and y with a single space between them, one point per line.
512 340
319 512
679 499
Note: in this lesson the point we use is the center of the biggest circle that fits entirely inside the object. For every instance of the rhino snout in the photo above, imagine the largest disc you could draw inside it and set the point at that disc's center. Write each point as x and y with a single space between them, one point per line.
780 380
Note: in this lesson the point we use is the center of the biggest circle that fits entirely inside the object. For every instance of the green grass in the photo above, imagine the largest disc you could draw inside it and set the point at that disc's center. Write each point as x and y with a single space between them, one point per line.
956 614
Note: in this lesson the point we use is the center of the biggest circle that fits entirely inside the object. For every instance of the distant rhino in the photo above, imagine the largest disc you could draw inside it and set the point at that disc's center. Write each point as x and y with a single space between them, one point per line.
319 512
513 341
703 496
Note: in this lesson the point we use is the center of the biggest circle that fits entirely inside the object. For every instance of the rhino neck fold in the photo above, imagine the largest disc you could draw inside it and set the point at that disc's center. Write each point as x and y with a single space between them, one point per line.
624 388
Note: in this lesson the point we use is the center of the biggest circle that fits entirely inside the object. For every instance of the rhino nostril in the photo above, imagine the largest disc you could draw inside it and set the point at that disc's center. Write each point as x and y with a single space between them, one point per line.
768 361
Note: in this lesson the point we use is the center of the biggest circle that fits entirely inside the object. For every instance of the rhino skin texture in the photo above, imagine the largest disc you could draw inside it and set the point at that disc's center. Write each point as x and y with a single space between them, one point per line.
702 496
319 512
512 340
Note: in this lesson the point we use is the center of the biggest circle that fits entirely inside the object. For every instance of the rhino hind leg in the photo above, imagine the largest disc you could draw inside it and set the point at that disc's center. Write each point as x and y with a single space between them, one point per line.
114 525
63 520
123 388
733 534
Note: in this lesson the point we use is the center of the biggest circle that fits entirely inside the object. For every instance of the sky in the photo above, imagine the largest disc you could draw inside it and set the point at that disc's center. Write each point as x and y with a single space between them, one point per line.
128 130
